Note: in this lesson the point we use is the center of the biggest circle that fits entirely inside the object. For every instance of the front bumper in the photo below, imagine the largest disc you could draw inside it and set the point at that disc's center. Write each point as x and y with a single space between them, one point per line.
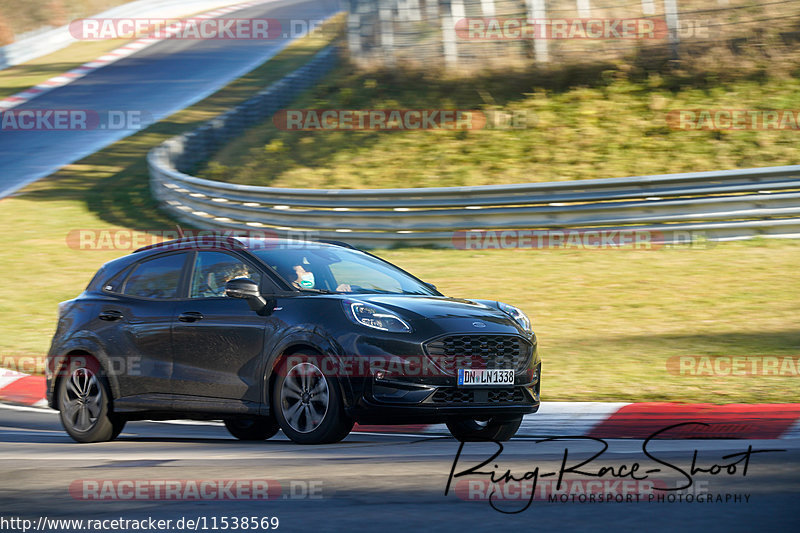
403 402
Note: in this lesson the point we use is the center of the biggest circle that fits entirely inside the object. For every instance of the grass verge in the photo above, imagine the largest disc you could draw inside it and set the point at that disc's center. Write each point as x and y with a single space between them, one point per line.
603 122
20 77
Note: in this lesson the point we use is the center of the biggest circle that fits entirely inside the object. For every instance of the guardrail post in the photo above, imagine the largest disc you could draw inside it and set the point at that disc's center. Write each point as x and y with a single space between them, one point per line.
354 30
538 12
453 12
386 15
671 14
584 9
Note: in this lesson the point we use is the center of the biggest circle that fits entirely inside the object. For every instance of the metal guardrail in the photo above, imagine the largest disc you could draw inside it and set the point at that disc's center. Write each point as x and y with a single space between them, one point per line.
727 204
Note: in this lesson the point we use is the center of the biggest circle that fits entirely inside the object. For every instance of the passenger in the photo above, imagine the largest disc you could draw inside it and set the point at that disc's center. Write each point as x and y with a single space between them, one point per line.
216 288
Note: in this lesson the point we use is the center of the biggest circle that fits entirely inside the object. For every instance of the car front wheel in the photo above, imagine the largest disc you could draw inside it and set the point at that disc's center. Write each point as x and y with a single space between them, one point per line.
493 428
308 405
84 402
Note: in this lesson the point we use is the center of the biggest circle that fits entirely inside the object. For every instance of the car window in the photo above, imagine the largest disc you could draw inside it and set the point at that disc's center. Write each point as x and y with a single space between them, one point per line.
116 283
213 269
156 278
349 274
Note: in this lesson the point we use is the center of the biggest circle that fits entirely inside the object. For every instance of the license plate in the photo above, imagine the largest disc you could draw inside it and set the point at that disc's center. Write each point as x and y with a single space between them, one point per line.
494 377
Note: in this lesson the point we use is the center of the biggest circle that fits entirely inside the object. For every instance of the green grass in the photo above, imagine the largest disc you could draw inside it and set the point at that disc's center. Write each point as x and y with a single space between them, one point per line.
608 125
607 320
20 77
17 16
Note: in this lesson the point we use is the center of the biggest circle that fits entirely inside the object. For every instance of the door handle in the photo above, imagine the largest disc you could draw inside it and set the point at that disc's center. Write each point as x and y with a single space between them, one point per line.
190 316
110 315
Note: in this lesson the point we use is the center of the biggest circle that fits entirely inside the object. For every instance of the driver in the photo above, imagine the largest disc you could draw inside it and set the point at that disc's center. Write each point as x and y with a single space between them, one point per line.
304 279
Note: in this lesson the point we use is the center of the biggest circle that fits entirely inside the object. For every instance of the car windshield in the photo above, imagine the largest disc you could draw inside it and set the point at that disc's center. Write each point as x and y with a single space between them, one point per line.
322 267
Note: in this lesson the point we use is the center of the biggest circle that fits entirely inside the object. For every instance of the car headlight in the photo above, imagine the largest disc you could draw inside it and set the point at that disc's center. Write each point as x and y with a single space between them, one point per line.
376 317
518 316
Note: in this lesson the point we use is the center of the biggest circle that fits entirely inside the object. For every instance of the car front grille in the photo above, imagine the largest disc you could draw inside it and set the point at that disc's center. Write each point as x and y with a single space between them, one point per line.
492 396
479 351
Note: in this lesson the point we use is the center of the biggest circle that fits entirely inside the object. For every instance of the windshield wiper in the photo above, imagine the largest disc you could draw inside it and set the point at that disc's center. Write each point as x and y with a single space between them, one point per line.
383 291
318 291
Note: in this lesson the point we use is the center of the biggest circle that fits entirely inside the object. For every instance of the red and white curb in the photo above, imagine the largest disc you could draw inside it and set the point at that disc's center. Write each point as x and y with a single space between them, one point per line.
605 420
109 58
22 389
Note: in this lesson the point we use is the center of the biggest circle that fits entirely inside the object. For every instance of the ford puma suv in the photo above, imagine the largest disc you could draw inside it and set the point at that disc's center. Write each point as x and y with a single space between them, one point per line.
270 334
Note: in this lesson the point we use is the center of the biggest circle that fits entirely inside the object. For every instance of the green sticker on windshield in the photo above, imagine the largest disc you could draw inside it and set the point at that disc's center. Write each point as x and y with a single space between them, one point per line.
307 283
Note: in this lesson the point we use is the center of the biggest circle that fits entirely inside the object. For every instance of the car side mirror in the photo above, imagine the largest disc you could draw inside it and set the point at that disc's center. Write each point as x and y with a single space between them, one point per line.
431 285
246 289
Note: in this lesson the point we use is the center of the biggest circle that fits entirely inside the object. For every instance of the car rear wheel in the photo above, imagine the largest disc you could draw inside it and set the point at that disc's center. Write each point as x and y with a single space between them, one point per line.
493 428
258 428
84 402
308 404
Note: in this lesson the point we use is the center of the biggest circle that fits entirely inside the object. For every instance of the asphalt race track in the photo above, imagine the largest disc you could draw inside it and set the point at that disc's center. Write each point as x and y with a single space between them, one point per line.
153 83
380 482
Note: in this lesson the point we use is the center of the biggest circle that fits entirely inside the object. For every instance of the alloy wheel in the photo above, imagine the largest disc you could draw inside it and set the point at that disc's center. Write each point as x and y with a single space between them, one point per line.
305 397
82 400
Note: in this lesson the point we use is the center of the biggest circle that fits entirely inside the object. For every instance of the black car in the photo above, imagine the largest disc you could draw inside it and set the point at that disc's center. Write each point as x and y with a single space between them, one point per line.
269 334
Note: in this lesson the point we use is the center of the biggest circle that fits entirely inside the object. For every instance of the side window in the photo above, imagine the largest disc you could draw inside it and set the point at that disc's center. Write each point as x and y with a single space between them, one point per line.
156 278
213 269
115 284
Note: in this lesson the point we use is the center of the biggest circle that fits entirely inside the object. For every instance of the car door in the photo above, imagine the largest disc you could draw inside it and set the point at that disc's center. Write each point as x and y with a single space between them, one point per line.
217 341
138 322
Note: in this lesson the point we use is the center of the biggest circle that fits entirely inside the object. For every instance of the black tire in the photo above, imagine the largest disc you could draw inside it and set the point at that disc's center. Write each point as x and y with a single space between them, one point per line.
257 428
312 411
119 425
84 402
495 429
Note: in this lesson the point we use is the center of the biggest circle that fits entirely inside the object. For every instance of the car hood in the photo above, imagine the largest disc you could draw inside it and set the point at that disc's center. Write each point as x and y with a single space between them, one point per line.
412 307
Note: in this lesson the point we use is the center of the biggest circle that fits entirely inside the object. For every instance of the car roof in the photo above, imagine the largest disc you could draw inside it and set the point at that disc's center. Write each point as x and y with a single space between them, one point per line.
235 243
